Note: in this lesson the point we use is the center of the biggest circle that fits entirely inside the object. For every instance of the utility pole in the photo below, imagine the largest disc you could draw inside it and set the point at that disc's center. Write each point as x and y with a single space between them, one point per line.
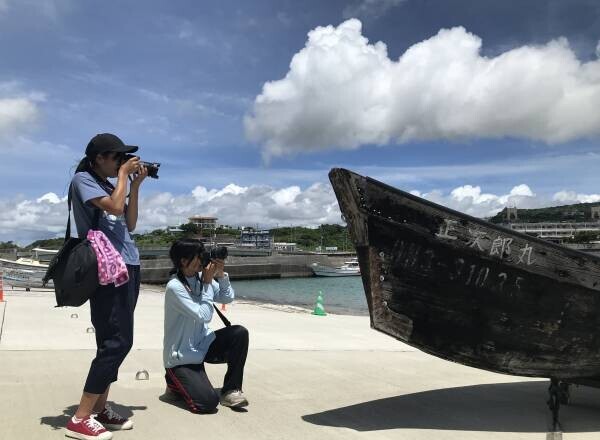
321 227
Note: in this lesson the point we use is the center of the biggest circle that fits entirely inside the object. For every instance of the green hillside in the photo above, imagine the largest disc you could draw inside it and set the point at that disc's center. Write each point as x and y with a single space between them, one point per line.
306 238
309 238
580 212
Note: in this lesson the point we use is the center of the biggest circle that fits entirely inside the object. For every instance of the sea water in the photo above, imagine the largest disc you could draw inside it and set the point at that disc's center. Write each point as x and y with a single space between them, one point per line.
344 295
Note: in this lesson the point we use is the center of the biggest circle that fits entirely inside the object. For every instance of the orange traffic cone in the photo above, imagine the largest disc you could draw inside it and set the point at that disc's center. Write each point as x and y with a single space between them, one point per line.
1 288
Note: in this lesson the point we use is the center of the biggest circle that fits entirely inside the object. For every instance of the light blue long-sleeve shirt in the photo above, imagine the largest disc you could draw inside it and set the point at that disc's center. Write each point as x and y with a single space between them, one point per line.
187 314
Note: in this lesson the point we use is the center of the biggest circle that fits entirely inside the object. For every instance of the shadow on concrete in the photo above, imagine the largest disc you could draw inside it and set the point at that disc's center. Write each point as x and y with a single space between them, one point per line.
60 421
501 407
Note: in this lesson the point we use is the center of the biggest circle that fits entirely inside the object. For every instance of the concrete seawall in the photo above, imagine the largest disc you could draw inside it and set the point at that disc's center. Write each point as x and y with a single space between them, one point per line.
275 266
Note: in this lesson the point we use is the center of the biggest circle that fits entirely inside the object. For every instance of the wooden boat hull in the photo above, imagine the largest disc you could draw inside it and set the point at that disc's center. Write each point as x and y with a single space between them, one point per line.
469 291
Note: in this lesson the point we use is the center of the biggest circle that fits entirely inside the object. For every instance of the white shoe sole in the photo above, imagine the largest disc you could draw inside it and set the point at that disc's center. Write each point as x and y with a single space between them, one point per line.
73 434
241 404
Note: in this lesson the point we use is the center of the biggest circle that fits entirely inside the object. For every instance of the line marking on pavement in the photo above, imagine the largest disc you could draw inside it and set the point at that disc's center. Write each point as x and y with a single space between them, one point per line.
3 315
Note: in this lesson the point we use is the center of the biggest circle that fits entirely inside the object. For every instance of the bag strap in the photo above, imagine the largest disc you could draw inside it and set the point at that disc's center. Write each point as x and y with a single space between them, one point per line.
95 221
68 231
223 318
104 184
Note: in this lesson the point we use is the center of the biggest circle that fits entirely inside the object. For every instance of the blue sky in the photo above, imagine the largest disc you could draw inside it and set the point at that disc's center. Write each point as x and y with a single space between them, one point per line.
185 81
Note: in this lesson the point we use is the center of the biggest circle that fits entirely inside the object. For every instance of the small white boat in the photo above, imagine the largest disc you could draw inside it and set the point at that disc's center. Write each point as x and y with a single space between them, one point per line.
26 272
349 268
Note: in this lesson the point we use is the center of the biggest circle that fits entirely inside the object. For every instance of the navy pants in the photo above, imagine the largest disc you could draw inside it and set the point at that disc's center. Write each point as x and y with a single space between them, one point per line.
191 382
112 317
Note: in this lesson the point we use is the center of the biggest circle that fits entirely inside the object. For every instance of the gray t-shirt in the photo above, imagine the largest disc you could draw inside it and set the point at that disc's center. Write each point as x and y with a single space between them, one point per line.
85 188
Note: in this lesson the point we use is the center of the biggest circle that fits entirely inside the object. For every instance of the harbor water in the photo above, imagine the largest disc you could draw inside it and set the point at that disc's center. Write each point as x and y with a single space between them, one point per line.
343 295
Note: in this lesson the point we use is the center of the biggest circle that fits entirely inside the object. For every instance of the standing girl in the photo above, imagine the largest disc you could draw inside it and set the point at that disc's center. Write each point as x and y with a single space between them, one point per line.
99 204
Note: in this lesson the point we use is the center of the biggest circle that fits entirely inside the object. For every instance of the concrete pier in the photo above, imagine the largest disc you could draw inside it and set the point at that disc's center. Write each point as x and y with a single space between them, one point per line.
276 266
307 377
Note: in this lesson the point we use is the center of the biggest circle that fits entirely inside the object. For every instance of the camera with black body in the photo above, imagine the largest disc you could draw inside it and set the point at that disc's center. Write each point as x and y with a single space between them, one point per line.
215 253
152 167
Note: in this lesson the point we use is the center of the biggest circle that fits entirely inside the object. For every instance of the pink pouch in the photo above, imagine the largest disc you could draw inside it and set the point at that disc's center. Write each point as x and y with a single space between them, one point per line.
111 267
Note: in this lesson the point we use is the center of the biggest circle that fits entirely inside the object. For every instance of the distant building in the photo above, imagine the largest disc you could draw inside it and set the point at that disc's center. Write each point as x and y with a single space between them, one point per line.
326 249
511 213
283 246
554 231
204 222
257 239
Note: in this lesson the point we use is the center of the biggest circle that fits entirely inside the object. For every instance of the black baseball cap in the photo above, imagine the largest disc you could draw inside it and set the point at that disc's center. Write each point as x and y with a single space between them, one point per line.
104 142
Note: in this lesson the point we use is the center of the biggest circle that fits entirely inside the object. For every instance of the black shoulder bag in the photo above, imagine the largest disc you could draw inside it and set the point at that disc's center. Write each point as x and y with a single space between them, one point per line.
74 269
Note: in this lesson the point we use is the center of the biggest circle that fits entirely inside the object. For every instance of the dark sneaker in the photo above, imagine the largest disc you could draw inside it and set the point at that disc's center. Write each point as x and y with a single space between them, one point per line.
87 429
234 399
113 420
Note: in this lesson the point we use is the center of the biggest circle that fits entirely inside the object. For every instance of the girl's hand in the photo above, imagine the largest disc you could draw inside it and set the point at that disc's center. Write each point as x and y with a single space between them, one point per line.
130 167
219 267
208 273
139 176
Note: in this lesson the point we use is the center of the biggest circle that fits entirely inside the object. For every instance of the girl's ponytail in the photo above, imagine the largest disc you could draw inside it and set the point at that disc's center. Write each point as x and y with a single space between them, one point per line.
83 165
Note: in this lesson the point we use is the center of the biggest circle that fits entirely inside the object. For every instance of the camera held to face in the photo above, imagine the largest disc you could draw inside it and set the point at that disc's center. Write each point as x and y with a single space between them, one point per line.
215 253
152 167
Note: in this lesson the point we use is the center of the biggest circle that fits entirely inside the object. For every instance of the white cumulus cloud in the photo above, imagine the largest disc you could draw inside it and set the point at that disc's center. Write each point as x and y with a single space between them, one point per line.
50 198
471 200
342 92
23 220
204 195
19 110
286 196
569 197
16 114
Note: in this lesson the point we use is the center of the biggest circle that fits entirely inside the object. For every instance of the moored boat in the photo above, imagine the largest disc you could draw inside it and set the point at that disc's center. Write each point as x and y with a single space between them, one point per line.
26 272
349 268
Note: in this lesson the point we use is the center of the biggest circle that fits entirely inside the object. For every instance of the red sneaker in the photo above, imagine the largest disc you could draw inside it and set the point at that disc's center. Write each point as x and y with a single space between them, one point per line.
87 429
113 420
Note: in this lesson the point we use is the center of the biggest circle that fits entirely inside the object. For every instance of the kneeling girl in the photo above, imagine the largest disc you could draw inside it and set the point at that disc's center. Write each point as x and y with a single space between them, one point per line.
188 340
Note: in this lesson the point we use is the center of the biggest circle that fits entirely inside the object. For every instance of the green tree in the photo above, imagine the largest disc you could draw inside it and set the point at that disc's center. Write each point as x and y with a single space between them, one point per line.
49 243
190 229
584 237
7 245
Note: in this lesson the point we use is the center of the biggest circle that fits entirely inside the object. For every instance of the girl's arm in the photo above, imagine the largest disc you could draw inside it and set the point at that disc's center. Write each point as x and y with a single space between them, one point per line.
132 206
178 297
115 203
225 295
